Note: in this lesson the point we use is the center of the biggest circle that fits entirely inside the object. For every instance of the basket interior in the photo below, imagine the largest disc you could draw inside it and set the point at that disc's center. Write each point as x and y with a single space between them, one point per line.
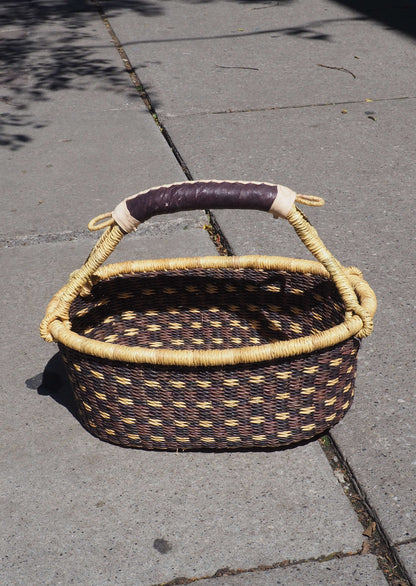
207 309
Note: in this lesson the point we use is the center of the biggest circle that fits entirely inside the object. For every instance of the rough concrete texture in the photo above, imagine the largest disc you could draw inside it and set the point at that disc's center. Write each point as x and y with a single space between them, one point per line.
363 169
221 56
149 518
407 553
63 164
351 570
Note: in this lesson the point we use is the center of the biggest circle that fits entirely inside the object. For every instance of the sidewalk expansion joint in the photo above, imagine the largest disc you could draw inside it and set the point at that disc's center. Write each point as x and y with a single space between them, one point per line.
34 239
217 236
181 581
153 228
405 542
291 107
222 245
139 86
376 540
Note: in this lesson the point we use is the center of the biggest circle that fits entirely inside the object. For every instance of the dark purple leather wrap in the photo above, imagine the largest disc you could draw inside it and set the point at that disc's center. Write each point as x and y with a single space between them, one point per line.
199 196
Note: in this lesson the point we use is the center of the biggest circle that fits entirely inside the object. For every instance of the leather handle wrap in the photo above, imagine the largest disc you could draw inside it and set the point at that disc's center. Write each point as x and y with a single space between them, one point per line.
197 195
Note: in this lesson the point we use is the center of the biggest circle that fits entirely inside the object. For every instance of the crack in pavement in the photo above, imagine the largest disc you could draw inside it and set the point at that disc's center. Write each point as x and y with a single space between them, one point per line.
375 538
214 231
181 581
151 229
291 107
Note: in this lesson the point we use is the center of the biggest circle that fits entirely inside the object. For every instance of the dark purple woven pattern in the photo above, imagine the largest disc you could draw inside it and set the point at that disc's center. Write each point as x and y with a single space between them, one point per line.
207 309
241 406
266 405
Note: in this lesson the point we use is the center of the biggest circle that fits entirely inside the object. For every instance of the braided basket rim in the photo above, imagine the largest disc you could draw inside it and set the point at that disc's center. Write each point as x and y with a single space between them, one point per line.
351 325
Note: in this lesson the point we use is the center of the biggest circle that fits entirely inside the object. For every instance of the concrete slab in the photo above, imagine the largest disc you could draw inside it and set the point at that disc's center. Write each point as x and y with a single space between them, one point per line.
351 570
82 170
136 516
407 554
221 56
76 136
365 170
51 264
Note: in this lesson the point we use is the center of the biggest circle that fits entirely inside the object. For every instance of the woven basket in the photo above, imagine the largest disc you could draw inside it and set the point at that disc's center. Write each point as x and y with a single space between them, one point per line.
211 352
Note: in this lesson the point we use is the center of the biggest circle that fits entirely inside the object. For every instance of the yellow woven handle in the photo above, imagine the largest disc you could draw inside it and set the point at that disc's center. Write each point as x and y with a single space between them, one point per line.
314 244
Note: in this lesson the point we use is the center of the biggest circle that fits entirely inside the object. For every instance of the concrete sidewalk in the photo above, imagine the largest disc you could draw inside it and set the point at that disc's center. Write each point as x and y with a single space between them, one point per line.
311 94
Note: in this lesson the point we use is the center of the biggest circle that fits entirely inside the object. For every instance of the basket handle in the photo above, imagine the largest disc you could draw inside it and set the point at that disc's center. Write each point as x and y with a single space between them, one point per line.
199 195
276 199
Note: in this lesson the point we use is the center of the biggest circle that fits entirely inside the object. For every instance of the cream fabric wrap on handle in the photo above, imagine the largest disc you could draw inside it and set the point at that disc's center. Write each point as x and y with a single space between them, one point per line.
194 195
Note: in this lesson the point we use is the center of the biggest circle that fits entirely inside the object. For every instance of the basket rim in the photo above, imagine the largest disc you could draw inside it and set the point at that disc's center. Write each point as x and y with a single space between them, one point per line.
350 327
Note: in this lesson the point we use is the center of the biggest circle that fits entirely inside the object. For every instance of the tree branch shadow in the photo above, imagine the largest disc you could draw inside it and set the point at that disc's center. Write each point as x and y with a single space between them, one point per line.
45 48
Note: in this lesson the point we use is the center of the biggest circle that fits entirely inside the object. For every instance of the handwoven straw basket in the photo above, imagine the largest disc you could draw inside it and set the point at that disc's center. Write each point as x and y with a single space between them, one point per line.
210 352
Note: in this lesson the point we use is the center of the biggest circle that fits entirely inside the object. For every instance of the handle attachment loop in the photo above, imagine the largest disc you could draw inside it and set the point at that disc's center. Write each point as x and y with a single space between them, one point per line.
310 200
100 222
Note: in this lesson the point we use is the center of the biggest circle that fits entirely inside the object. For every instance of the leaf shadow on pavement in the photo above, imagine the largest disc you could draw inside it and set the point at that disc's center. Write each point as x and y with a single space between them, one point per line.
399 15
47 47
